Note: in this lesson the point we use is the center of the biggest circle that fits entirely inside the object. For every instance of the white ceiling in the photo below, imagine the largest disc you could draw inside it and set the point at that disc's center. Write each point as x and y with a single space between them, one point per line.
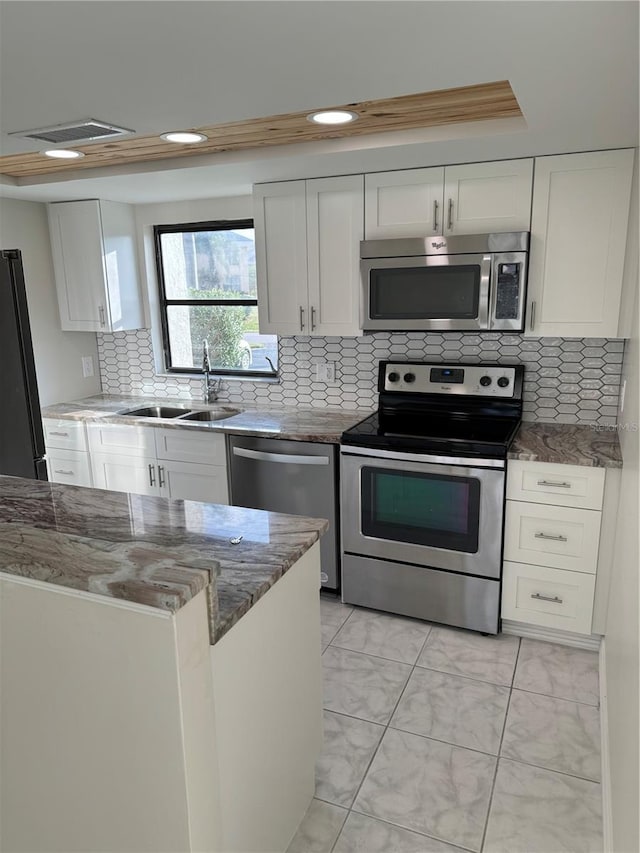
159 65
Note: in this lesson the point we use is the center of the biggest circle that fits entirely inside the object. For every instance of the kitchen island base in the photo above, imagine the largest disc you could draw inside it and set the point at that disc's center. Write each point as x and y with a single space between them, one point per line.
124 729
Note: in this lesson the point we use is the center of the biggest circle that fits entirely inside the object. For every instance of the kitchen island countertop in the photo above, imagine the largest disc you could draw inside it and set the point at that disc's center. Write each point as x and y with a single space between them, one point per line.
148 550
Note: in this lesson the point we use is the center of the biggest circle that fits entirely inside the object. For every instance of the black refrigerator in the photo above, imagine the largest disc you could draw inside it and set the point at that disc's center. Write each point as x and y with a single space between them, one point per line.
21 436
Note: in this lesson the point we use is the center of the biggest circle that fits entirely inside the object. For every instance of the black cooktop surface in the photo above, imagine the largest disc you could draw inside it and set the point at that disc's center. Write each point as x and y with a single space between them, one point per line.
435 433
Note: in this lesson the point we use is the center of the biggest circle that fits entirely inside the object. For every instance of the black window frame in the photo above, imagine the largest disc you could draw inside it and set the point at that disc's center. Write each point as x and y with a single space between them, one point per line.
217 225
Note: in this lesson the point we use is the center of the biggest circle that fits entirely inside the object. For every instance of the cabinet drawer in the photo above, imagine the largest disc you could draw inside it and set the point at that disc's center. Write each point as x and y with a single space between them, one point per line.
551 597
64 434
555 536
563 485
185 445
122 439
69 466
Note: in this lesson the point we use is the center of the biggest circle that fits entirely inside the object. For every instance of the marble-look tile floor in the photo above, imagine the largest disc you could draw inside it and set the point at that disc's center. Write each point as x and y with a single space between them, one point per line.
442 741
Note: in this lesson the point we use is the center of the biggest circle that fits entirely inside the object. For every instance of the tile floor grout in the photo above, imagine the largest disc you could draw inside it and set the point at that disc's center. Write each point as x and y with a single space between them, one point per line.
388 726
504 727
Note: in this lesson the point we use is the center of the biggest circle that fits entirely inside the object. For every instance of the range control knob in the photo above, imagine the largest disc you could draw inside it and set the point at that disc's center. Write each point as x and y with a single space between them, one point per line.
409 377
503 382
485 380
393 377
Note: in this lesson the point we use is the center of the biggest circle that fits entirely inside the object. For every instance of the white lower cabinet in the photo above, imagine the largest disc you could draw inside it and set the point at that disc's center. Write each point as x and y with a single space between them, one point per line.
552 533
67 452
120 473
171 463
550 597
71 467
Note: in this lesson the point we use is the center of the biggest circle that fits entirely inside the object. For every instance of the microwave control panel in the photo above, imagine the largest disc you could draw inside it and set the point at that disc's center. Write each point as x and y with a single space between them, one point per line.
508 292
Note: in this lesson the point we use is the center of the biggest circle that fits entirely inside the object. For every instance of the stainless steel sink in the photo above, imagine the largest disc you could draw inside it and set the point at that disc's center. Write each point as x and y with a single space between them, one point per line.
210 415
155 412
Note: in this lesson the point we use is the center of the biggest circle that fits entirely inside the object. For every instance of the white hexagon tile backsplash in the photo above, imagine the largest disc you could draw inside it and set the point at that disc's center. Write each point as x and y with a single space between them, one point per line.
567 380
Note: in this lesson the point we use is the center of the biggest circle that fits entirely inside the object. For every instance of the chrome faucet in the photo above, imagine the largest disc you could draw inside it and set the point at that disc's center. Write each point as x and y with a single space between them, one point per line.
211 385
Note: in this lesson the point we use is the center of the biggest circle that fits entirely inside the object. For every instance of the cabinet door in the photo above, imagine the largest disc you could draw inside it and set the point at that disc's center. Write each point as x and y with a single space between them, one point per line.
190 481
406 203
124 302
480 198
335 227
135 474
76 247
279 215
578 238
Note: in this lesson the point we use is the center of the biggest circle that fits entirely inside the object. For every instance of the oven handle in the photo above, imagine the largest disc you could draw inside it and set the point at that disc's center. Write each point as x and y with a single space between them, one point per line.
467 462
286 458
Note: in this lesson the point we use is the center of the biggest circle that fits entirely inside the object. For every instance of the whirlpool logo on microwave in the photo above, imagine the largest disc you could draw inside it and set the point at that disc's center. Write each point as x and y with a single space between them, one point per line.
439 245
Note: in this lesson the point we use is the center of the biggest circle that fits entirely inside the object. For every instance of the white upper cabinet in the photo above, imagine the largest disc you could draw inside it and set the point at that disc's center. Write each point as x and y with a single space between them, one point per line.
578 238
403 204
308 237
280 221
95 265
335 227
477 198
481 198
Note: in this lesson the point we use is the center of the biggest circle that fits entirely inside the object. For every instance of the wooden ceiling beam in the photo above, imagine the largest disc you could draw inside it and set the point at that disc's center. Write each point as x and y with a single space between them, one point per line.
480 102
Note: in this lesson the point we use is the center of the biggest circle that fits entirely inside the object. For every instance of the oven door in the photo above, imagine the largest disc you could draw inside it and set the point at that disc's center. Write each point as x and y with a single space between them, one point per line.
428 514
444 292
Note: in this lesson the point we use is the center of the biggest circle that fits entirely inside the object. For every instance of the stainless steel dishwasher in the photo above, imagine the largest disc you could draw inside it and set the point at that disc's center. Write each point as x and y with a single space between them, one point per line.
294 477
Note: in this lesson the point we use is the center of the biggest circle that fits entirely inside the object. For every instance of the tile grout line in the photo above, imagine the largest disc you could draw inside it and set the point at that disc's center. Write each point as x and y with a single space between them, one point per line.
504 726
386 728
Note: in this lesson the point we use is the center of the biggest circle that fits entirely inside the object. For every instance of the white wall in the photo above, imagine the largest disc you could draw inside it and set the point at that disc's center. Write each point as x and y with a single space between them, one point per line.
23 225
621 642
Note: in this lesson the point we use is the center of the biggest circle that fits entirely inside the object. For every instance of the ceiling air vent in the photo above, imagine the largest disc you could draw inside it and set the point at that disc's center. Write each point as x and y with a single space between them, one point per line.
77 131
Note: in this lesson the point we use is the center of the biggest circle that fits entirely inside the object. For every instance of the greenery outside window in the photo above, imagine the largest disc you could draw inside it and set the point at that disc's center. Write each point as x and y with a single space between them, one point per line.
207 280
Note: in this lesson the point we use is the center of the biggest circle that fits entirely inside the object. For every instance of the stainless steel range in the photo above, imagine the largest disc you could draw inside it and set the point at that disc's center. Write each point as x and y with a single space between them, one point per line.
423 482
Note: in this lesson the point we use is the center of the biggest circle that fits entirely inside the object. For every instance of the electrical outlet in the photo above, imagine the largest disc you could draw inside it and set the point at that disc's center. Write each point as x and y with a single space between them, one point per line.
87 366
326 372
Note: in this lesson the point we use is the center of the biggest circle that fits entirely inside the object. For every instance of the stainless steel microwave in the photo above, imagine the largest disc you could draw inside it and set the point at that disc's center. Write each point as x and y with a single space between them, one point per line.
474 282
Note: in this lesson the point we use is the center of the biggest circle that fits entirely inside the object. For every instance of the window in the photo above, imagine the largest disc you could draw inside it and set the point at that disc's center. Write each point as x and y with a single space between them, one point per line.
207 278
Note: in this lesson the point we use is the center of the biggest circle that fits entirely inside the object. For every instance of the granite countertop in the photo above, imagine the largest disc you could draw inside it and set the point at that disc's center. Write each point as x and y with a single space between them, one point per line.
322 425
567 444
148 550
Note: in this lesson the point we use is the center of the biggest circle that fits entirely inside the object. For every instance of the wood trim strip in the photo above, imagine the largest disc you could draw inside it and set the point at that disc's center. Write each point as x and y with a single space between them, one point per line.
480 102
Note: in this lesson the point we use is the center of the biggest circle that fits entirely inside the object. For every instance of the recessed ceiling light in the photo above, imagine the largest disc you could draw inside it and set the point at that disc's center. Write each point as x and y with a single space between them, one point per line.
184 137
333 117
63 153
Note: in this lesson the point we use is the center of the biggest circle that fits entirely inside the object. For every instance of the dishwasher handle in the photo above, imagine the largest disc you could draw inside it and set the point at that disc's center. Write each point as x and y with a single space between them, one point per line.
284 458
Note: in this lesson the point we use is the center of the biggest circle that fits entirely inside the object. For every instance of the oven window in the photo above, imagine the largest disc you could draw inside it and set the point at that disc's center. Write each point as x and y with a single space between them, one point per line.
425 293
424 509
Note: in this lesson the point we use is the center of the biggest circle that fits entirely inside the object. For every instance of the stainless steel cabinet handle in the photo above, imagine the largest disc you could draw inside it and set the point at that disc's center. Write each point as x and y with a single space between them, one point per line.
562 485
313 318
435 215
450 217
161 475
284 458
301 319
64 434
549 536
152 474
62 471
540 597
532 320
101 314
